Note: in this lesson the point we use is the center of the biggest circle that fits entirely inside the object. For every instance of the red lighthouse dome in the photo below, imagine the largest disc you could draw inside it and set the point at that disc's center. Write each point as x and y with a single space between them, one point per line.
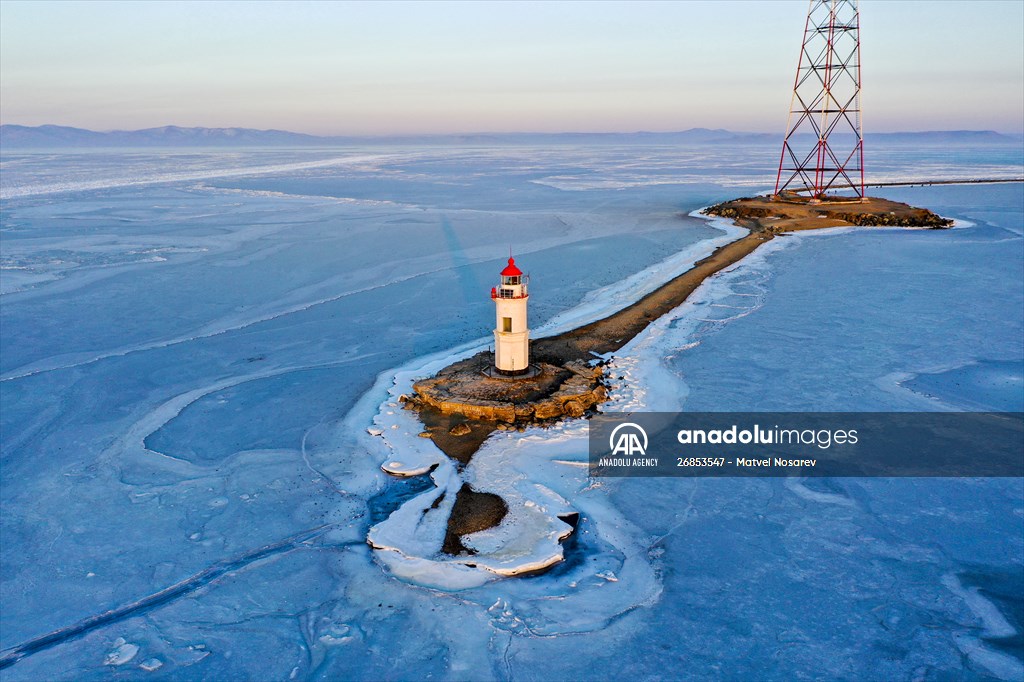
511 270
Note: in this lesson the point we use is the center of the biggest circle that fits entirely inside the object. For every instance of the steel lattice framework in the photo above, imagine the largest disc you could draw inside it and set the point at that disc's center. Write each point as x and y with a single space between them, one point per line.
824 147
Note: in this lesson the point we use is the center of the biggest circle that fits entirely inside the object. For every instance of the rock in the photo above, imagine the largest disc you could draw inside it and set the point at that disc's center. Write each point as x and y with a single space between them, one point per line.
460 429
524 412
572 408
424 434
547 409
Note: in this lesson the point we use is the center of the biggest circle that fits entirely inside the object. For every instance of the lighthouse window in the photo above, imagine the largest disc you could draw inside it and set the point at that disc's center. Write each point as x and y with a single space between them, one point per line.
510 280
506 324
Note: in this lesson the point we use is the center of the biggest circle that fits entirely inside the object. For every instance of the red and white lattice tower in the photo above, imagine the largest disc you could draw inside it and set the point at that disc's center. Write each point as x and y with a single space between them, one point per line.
824 148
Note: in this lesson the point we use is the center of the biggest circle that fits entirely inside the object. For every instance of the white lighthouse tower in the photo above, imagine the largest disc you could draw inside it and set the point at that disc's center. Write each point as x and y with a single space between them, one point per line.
511 335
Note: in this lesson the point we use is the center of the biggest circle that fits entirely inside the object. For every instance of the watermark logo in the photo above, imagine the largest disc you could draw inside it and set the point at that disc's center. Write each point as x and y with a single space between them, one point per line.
628 439
807 444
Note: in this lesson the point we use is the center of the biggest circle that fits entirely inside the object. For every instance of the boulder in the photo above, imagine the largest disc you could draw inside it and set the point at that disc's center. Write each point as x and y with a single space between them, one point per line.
460 429
524 412
548 409
572 408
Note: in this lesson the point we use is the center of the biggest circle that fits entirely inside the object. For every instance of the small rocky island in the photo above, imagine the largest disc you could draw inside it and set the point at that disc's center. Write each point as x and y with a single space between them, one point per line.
788 211
520 382
547 392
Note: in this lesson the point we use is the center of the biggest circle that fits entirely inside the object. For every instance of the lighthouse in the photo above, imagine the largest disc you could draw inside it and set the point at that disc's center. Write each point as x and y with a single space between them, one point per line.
511 335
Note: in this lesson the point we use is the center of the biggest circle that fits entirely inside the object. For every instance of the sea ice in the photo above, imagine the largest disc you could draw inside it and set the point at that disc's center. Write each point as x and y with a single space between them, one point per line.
122 652
253 360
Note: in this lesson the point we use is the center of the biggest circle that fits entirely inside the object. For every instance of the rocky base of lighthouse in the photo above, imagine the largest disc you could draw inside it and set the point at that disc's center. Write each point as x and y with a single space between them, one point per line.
549 392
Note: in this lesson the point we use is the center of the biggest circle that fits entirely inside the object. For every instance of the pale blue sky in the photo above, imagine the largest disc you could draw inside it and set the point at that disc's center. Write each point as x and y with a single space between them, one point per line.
396 67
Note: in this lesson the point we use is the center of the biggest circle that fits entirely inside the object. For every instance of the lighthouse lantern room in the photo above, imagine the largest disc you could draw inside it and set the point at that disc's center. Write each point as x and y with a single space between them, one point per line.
511 335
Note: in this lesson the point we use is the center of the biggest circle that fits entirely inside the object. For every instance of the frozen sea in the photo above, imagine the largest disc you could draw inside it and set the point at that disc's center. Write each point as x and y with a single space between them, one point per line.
200 352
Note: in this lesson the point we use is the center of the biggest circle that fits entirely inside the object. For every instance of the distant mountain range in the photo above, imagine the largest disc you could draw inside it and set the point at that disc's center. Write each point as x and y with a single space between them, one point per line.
52 137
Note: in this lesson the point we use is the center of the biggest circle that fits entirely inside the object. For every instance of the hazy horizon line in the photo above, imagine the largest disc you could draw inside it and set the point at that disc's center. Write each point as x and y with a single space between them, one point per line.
636 131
